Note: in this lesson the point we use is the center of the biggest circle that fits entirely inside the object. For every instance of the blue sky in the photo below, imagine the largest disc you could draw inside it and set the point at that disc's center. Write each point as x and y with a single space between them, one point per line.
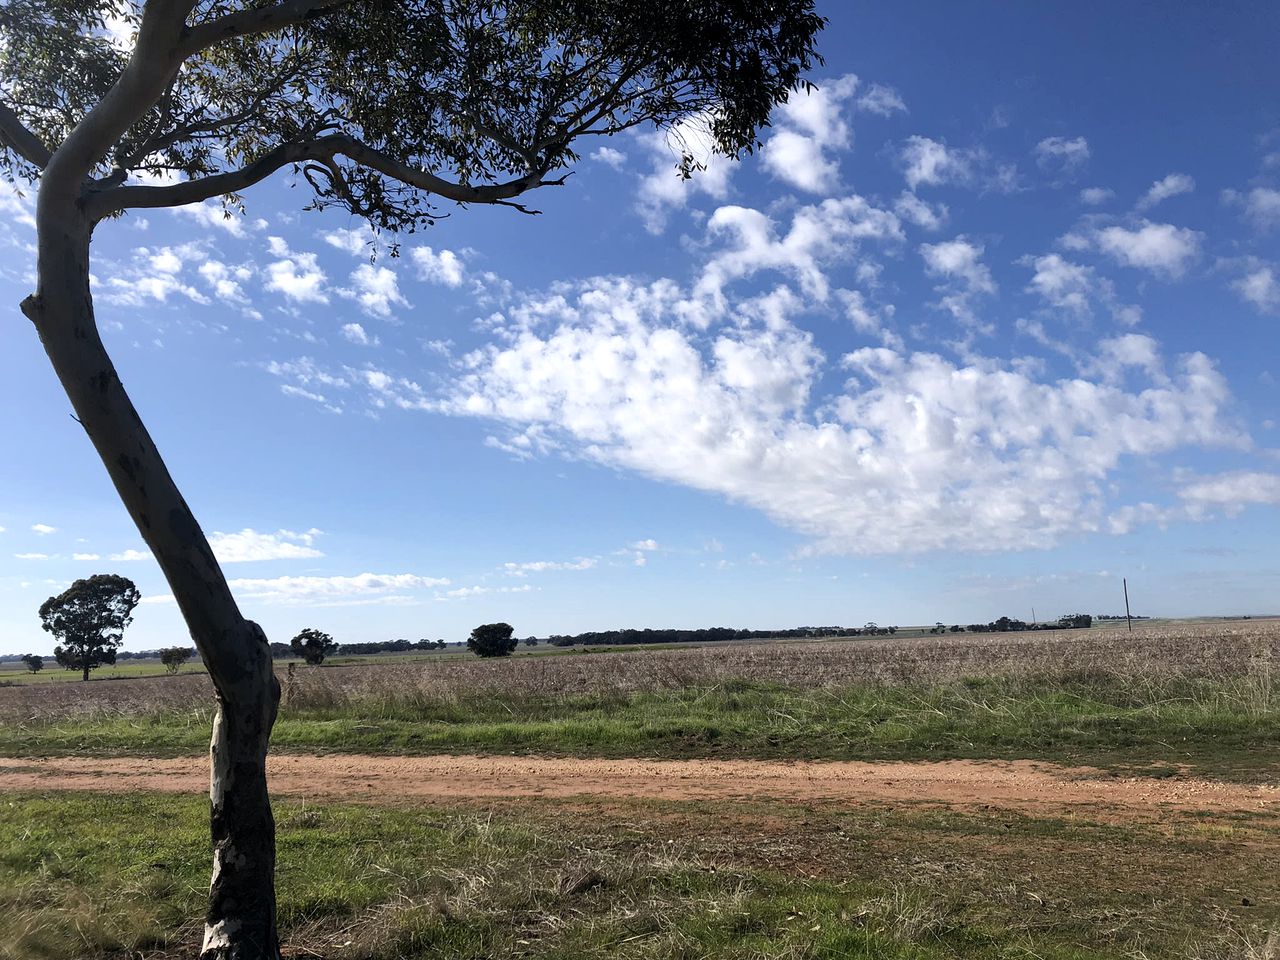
987 324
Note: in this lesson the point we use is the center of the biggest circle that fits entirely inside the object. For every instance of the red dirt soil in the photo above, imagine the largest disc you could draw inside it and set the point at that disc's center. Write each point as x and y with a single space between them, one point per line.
1026 786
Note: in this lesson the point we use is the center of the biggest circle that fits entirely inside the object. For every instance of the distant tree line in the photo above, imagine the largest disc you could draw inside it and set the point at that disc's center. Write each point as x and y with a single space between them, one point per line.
285 651
705 635
1070 621
153 654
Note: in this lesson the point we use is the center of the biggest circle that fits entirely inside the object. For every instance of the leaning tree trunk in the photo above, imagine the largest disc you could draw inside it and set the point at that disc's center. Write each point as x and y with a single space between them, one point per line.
241 923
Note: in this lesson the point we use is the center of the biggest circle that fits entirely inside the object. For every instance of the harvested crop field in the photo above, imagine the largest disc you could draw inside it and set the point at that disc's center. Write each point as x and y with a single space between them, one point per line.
1154 652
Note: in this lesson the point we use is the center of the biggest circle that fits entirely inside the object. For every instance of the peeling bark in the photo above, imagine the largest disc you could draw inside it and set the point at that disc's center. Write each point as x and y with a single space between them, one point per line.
241 922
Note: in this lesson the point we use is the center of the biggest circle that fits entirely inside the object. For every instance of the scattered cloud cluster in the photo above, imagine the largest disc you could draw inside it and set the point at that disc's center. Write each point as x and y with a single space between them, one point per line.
888 438
716 385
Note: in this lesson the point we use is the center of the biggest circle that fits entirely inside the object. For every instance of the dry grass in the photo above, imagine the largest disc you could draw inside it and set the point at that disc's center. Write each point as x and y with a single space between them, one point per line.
1240 654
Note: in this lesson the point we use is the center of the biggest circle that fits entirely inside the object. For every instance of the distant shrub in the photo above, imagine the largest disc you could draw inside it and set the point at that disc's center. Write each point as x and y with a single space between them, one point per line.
33 662
174 657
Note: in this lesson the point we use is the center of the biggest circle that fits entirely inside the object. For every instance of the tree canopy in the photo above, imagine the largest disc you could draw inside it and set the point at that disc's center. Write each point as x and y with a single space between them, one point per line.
89 618
174 657
313 645
378 103
492 640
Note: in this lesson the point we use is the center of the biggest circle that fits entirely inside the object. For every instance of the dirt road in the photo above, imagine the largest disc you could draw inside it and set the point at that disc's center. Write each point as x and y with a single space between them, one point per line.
1020 785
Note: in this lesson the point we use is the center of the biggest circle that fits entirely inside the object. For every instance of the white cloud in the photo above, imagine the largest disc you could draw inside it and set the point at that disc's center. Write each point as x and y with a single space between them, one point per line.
959 264
225 280
1094 196
829 231
464 593
130 556
1231 492
85 556
20 209
335 591
928 216
1160 248
248 545
296 275
375 289
882 100
355 241
609 156
32 556
1061 157
1261 287
444 268
649 544
1261 206
43 529
542 566
663 190
154 274
929 163
357 334
1170 186
1062 284
808 128
212 214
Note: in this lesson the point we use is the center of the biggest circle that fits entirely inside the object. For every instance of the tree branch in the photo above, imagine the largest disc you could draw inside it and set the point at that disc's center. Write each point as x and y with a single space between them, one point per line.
244 23
322 150
143 81
15 135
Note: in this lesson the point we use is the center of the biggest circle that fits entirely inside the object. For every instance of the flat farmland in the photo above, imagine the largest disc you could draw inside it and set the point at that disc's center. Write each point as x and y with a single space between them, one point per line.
1066 794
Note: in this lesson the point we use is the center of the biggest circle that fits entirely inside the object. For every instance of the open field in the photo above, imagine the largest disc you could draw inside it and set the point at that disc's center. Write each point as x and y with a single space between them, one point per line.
1153 832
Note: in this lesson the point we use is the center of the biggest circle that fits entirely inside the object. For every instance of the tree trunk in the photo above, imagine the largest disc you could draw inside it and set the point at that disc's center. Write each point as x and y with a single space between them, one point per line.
242 912
85 678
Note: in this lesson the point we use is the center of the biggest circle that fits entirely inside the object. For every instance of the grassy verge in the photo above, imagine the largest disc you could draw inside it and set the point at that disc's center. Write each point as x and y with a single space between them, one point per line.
102 876
1219 727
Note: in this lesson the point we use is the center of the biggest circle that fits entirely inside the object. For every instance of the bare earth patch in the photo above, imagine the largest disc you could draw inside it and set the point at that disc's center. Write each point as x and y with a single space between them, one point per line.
1025 786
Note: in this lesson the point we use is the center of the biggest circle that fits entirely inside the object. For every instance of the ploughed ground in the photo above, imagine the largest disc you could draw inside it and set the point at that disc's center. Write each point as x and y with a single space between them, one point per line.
1028 787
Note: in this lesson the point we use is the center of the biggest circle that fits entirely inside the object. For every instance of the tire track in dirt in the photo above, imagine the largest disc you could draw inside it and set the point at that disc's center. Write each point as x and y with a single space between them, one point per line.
1026 786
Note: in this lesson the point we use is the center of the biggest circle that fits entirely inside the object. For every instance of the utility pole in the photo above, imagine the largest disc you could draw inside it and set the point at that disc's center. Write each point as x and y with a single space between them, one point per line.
1127 615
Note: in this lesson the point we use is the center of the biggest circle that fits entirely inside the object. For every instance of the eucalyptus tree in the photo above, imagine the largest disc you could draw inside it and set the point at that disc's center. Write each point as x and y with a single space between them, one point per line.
383 108
89 618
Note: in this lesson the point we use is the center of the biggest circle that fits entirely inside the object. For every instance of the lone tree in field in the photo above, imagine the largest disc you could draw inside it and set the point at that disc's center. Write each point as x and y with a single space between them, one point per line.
174 657
33 662
381 107
89 618
492 640
313 645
